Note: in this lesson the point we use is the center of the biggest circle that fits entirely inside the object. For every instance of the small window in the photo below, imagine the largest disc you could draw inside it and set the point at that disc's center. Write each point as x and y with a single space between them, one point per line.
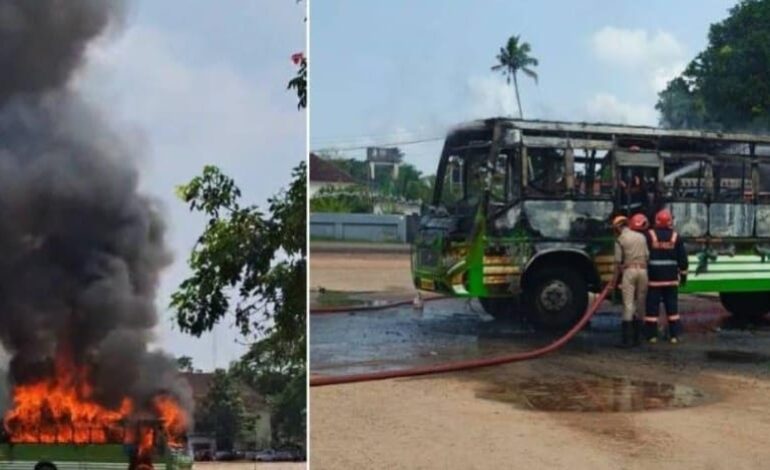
546 172
732 180
763 194
684 179
593 174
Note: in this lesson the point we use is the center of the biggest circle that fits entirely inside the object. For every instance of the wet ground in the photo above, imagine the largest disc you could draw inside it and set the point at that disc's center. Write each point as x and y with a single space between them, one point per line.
614 394
449 329
452 329
704 403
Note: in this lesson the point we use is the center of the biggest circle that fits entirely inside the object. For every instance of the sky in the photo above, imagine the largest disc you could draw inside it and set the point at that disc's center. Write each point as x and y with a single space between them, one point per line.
194 83
399 71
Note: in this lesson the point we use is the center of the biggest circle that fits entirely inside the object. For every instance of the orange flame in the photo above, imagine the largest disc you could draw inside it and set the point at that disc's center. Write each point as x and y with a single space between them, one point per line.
62 409
172 418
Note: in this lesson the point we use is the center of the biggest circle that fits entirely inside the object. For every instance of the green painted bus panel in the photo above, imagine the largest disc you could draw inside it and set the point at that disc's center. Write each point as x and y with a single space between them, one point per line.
64 452
88 453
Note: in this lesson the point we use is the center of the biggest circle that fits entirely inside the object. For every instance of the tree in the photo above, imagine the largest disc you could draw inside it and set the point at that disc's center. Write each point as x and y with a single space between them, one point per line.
284 382
410 183
185 364
253 267
222 411
258 260
299 82
727 85
511 59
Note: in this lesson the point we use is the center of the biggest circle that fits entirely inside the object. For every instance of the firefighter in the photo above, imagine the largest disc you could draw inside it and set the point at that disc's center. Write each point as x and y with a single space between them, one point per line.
631 255
666 270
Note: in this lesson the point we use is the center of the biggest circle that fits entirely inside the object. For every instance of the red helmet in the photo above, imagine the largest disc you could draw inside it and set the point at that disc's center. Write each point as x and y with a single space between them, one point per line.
639 223
663 219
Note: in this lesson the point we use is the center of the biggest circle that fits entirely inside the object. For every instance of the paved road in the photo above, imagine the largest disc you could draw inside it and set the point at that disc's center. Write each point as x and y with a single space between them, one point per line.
250 466
453 329
583 407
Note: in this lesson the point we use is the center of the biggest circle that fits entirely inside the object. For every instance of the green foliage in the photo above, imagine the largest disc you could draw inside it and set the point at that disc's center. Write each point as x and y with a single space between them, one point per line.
410 184
727 85
259 260
222 411
350 200
512 58
185 363
284 382
299 83
253 266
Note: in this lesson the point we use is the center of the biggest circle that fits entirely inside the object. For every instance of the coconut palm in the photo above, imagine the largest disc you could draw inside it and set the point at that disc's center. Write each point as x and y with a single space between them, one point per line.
512 58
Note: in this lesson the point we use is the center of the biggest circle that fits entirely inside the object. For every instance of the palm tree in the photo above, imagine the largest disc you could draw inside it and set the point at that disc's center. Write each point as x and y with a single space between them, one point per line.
512 58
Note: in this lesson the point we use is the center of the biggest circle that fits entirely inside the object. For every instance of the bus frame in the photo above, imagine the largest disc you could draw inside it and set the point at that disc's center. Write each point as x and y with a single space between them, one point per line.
114 454
520 216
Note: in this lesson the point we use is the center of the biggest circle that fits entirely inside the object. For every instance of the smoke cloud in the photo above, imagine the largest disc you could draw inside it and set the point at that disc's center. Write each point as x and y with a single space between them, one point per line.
80 248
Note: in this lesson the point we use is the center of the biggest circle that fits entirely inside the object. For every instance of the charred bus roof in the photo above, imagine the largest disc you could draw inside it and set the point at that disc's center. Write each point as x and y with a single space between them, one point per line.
539 133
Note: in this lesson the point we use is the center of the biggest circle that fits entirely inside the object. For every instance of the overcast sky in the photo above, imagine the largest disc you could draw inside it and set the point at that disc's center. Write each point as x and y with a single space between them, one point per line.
195 83
401 70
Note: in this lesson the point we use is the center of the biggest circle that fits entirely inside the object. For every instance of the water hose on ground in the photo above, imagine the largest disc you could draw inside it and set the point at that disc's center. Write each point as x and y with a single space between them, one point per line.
320 381
368 308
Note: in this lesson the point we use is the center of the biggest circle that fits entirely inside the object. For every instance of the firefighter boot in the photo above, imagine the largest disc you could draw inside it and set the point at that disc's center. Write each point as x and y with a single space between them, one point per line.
651 332
637 331
674 327
626 335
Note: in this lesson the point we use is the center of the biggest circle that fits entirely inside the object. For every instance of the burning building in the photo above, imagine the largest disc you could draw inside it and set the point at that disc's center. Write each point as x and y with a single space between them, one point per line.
80 247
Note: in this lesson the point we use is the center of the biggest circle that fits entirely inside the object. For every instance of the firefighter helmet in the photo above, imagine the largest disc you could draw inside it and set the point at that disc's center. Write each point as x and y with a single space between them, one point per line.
639 223
663 219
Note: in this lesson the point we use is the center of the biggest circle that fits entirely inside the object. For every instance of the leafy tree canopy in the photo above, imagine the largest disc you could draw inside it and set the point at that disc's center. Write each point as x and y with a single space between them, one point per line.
253 266
726 86
222 411
248 263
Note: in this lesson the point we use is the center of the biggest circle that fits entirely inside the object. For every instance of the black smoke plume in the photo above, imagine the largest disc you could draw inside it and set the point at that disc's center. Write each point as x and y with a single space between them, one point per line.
80 247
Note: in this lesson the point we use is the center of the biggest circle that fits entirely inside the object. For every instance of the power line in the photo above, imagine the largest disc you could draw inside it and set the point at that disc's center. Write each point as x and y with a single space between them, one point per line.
381 144
398 135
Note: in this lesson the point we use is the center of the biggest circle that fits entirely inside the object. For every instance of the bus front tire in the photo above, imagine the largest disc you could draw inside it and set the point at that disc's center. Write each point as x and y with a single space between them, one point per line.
45 466
500 308
554 298
746 305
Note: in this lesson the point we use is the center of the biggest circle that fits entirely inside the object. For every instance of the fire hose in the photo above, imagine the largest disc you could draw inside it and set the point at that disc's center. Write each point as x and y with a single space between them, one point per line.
368 308
456 366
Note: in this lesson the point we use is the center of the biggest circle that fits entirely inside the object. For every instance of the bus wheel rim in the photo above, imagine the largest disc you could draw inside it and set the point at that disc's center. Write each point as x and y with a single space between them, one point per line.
555 295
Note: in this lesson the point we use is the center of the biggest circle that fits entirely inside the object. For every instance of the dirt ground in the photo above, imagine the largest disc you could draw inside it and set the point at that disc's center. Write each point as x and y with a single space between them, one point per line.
494 418
357 272
250 466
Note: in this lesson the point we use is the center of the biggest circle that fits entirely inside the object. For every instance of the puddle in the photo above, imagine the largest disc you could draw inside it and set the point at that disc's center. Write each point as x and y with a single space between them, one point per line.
594 395
736 356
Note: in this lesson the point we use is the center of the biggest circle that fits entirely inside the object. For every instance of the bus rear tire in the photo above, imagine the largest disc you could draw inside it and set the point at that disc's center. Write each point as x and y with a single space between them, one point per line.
554 298
500 308
746 306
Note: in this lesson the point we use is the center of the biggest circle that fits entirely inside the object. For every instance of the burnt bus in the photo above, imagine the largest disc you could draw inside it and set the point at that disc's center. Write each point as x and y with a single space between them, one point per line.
102 448
520 216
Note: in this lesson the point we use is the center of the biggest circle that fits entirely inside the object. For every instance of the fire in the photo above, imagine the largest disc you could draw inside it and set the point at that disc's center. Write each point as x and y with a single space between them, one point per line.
172 418
62 409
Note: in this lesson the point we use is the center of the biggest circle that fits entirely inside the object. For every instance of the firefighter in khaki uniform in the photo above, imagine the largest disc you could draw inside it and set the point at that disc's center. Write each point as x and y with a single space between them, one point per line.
666 269
631 254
